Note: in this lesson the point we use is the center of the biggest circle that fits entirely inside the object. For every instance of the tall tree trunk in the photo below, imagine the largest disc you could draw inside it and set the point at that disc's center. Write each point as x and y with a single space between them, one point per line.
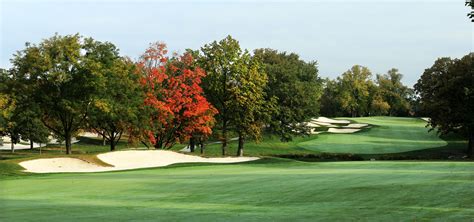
192 144
31 144
1 140
470 147
103 139
201 144
68 143
112 146
240 149
158 144
224 138
12 146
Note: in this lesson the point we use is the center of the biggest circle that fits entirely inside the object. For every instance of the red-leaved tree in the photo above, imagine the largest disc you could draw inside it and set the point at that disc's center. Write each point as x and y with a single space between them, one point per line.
178 107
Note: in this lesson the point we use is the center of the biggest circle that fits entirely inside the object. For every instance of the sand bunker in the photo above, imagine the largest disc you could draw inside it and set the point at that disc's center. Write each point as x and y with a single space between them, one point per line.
336 130
63 164
122 160
332 121
356 125
425 119
325 124
313 124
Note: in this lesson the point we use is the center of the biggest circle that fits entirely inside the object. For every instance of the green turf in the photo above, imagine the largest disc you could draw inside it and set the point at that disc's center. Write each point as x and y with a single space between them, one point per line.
270 190
387 135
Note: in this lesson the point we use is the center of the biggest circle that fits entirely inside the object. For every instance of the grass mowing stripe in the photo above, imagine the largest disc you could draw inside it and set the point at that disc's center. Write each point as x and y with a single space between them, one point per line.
290 190
388 135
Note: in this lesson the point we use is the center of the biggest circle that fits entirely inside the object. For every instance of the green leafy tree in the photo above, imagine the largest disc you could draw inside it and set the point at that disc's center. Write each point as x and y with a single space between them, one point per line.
446 94
296 88
117 107
393 91
355 85
24 115
3 103
64 74
222 62
331 99
251 110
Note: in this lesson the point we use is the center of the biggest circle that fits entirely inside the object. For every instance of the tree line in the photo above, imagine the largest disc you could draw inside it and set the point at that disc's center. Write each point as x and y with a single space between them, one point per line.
69 84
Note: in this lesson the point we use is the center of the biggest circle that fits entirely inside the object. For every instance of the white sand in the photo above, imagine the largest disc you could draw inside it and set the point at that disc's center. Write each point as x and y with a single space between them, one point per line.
324 124
356 125
333 121
90 135
63 164
425 119
336 130
122 160
313 124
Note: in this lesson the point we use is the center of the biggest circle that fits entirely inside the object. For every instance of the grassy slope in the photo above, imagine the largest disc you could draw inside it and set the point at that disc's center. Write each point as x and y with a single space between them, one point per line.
271 145
269 189
388 135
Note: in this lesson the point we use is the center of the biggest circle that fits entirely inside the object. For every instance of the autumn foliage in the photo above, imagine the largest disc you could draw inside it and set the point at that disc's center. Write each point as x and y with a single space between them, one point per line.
172 89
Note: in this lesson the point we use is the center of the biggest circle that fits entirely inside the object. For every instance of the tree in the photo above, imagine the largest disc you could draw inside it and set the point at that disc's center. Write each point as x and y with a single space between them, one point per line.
222 62
355 85
63 73
446 94
296 87
173 93
117 107
3 103
470 3
330 99
393 91
251 109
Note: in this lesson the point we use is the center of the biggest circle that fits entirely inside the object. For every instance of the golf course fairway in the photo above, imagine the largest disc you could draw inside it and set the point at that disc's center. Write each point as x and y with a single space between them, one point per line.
386 135
270 189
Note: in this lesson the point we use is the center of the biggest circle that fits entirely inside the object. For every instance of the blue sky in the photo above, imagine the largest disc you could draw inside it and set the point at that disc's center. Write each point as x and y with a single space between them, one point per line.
408 35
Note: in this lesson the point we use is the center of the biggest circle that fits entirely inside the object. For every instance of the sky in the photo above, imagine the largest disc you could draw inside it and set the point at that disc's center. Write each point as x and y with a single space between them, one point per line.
384 34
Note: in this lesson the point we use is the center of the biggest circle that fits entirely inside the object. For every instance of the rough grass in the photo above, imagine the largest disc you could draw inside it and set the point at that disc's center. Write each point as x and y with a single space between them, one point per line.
270 189
387 135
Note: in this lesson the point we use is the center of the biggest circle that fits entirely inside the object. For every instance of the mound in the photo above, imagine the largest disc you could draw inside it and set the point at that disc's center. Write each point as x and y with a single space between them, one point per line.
336 130
356 125
332 121
122 160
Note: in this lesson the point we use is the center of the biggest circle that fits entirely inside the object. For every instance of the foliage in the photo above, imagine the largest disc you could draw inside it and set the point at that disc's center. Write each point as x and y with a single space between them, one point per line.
251 110
296 87
446 94
394 93
234 85
355 85
62 74
172 91
118 102
330 99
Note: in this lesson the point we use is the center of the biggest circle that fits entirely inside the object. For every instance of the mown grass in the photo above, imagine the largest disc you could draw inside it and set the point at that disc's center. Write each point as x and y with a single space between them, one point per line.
387 135
269 190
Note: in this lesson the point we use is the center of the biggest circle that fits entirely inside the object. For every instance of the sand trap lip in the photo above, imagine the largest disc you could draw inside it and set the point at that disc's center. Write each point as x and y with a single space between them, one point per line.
425 119
336 130
122 160
332 121
356 125
324 124
313 124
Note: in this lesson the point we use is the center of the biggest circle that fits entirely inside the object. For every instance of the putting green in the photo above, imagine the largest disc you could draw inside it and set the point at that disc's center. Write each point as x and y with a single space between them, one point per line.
265 190
388 135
